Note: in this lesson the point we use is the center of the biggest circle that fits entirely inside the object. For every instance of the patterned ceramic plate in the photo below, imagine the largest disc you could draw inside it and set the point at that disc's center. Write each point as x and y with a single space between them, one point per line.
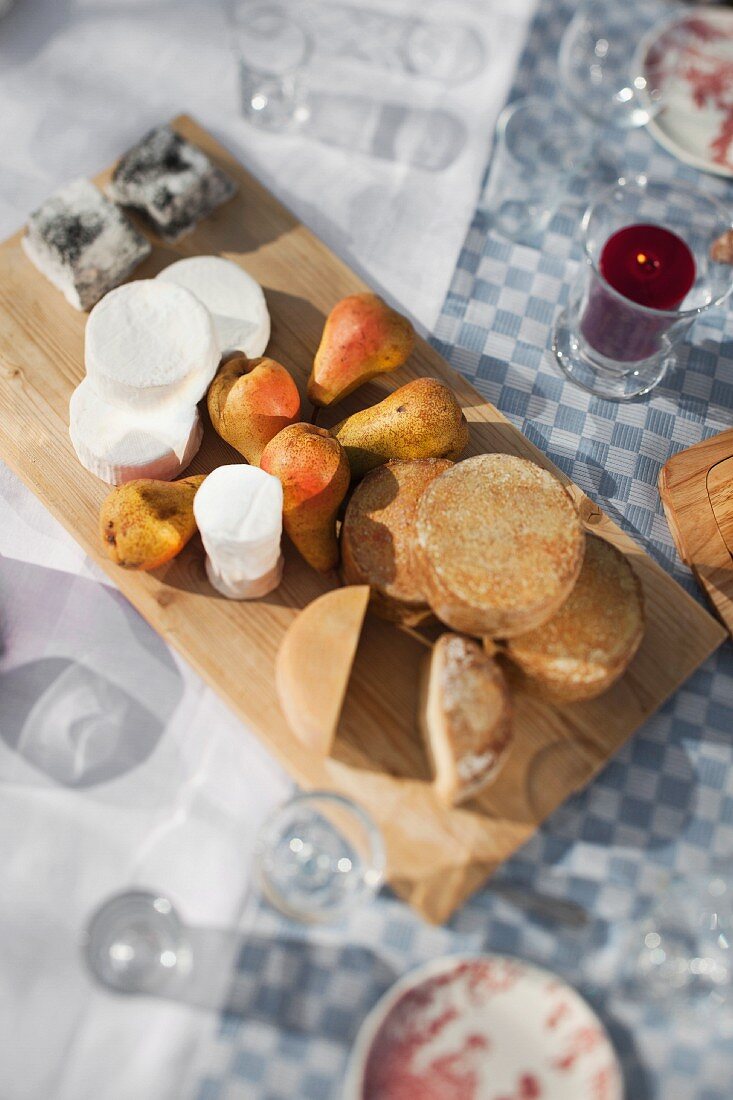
690 60
482 1027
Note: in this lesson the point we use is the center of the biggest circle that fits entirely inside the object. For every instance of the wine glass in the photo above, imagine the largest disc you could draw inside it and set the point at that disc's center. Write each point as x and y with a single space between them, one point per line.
601 71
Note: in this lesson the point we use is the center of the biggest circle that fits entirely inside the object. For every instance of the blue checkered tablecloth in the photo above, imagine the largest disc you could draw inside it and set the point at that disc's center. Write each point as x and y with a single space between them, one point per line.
664 804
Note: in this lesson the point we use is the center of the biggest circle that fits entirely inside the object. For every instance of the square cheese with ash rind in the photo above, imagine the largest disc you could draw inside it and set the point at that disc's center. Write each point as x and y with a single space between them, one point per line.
83 243
171 181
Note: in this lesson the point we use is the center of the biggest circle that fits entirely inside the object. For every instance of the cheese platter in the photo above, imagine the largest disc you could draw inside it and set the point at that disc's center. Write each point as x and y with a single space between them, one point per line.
437 853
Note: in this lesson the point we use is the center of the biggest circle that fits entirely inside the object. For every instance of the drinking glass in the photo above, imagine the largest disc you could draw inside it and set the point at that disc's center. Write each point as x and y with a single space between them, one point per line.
136 943
273 48
542 151
319 856
610 345
600 66
683 947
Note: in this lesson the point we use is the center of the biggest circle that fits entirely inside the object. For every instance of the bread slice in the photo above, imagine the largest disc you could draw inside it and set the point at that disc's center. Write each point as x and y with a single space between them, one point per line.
466 718
590 642
377 537
499 545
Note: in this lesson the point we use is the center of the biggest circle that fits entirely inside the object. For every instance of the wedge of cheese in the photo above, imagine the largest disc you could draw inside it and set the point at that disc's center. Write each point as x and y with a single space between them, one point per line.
314 664
233 298
150 345
118 445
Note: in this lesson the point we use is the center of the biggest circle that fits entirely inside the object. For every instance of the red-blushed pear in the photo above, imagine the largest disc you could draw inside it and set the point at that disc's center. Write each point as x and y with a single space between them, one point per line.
250 401
314 472
145 523
362 337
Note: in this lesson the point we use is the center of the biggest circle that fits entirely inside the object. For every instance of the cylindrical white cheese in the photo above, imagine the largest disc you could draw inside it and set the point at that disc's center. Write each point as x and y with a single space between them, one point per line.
150 344
238 511
117 445
233 298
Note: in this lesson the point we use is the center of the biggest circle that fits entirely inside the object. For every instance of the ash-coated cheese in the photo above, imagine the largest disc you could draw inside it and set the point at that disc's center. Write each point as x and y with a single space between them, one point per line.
118 446
83 243
171 181
150 344
233 298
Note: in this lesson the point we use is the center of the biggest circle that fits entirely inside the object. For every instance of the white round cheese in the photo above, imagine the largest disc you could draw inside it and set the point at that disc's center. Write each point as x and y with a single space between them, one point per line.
118 446
150 344
238 511
233 298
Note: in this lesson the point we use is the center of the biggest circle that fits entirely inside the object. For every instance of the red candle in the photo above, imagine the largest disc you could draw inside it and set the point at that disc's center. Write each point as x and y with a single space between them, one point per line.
650 266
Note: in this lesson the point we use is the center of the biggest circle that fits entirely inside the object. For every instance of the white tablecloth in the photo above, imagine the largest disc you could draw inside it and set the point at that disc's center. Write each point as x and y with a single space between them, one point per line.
118 767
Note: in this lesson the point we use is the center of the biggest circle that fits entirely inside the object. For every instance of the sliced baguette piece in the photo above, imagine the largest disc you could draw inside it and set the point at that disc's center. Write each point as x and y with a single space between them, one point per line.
378 533
499 545
590 642
466 718
314 662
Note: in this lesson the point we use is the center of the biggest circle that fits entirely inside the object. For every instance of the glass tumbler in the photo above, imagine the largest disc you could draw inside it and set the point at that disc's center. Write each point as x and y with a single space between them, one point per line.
136 943
682 948
273 49
605 342
539 151
319 856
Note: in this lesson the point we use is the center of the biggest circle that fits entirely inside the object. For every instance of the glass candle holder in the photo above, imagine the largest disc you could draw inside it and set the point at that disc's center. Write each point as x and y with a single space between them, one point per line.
604 341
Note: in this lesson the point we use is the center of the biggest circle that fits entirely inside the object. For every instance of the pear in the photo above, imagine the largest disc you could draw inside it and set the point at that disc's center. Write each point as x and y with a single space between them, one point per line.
145 523
250 401
420 420
362 337
314 473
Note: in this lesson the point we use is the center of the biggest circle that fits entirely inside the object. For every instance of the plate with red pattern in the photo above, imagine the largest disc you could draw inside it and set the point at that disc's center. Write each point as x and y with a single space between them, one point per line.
690 62
482 1027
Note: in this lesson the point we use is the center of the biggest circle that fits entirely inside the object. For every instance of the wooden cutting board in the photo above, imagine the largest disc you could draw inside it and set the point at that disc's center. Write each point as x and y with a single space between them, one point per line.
436 857
696 487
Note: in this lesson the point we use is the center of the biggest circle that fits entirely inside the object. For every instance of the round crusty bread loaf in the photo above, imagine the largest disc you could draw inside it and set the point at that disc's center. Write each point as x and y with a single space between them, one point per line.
378 534
590 642
499 545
